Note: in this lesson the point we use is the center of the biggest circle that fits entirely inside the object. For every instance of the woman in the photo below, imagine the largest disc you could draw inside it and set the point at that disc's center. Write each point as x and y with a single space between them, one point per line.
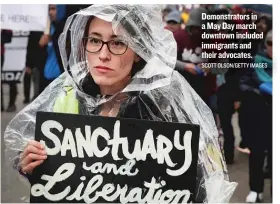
256 105
117 66
53 65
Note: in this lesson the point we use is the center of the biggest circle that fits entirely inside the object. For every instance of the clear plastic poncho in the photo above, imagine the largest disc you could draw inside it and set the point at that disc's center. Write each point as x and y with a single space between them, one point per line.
156 83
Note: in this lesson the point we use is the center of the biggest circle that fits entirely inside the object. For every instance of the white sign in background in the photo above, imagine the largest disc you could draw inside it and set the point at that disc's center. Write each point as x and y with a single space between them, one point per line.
20 19
15 57
15 52
28 17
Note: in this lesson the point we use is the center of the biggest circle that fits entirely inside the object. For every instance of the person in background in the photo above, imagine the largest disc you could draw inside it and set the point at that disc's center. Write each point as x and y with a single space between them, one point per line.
257 103
258 45
263 24
173 20
6 37
185 15
165 12
189 56
204 81
35 61
189 52
53 66
227 91
228 95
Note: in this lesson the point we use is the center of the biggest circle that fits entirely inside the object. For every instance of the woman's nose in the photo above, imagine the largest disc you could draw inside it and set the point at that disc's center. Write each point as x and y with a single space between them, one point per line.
104 53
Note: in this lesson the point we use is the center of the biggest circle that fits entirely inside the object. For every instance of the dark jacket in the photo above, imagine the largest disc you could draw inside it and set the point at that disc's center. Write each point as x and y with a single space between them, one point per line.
186 41
35 55
6 37
58 30
59 26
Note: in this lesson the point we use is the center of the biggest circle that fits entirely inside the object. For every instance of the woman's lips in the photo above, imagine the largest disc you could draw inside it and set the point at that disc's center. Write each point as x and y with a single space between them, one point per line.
103 69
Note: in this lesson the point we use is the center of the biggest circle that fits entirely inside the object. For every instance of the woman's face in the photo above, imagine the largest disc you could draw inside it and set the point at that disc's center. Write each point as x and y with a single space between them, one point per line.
173 26
261 26
52 12
106 68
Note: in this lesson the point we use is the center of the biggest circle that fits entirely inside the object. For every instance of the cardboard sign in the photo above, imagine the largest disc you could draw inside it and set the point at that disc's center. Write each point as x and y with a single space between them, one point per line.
93 159
15 57
27 17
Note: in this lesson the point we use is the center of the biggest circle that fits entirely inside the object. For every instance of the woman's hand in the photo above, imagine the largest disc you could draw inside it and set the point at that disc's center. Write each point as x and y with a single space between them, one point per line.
44 40
32 156
190 67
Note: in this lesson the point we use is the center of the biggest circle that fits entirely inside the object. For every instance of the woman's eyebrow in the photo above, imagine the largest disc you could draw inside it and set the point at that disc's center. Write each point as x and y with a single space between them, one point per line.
95 33
100 35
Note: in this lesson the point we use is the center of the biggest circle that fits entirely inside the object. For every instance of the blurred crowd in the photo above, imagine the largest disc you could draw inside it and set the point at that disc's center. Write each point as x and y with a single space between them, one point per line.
247 91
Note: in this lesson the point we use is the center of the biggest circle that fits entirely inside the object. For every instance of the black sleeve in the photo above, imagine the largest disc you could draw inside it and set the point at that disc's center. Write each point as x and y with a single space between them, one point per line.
30 51
6 36
35 55
232 78
180 65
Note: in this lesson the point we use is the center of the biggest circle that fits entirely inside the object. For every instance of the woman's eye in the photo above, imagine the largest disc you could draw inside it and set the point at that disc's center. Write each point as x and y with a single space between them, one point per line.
118 43
95 41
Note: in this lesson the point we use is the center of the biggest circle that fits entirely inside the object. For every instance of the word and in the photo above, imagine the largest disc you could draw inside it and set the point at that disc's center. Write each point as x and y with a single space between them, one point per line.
112 168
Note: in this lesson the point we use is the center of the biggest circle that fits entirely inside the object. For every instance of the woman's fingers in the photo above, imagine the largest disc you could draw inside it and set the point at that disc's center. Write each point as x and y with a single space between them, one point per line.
36 144
30 158
29 168
33 148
